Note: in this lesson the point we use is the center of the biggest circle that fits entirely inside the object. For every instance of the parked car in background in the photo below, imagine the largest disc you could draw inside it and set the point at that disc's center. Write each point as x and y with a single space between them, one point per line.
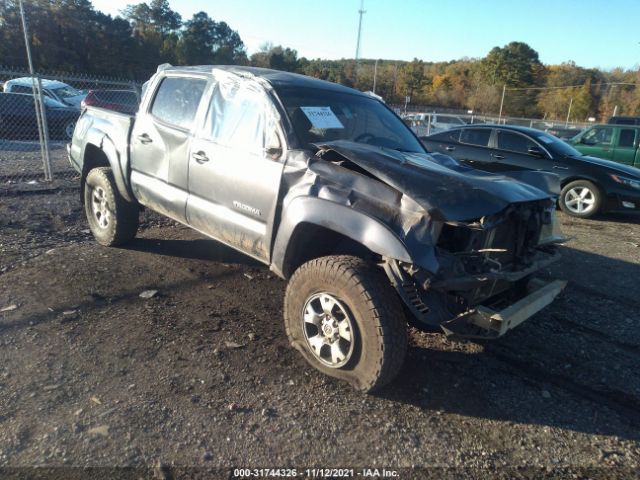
58 91
624 120
18 117
563 133
123 101
613 142
430 123
589 185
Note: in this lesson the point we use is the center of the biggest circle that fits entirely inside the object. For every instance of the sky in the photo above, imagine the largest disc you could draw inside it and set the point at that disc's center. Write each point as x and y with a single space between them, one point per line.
592 33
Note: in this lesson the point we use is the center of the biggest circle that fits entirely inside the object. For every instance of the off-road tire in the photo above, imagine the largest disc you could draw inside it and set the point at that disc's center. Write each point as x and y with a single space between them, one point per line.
581 184
123 215
380 337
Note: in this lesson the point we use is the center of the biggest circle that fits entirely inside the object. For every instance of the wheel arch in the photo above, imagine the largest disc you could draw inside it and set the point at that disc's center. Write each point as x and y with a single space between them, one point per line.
312 228
99 151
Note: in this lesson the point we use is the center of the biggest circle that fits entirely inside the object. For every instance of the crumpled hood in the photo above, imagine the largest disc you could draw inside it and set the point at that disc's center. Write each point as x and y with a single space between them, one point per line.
442 186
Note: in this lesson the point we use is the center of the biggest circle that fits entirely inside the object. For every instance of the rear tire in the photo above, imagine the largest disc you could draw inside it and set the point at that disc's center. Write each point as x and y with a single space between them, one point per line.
580 198
112 219
345 319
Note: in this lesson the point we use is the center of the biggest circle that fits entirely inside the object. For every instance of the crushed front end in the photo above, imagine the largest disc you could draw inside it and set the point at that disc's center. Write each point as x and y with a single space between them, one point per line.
484 284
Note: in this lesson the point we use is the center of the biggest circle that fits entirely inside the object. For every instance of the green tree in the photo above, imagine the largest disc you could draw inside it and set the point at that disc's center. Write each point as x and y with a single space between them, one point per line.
205 41
515 65
276 57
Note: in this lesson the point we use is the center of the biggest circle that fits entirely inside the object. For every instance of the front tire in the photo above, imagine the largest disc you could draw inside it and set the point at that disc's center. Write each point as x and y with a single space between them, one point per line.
580 198
344 317
112 219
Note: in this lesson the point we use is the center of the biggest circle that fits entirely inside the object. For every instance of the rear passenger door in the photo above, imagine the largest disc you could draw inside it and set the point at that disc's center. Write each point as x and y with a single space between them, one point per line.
473 148
160 142
235 167
626 145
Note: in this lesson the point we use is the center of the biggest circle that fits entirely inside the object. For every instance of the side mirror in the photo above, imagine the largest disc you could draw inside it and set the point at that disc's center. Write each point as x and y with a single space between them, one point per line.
273 150
535 151
587 141
273 153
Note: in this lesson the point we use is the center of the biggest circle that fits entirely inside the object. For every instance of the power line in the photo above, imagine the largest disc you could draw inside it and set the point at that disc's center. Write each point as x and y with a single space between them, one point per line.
570 86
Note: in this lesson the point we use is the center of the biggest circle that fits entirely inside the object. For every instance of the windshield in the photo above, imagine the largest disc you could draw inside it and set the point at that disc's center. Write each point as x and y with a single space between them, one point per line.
557 145
323 116
66 92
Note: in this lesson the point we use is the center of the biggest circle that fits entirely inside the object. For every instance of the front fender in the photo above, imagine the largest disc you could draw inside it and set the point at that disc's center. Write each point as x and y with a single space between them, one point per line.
341 219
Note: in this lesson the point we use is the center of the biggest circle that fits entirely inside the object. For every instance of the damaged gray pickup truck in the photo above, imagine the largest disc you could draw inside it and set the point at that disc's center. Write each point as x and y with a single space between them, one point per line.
328 187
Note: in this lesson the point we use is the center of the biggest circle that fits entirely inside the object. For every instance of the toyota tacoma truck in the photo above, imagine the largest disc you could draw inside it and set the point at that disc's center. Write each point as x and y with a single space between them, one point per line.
331 190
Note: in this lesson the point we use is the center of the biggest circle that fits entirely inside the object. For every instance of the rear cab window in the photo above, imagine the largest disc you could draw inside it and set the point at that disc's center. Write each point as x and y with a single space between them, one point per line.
627 137
177 100
476 136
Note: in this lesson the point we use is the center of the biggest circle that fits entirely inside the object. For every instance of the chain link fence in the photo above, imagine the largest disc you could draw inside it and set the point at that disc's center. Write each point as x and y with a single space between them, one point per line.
33 145
427 120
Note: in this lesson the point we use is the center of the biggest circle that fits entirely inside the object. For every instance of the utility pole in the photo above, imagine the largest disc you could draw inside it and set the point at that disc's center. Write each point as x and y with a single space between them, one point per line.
41 118
361 12
504 89
375 75
566 124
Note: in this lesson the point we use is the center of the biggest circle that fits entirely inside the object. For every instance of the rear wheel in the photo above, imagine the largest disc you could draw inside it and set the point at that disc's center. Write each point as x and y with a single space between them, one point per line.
580 198
112 219
344 317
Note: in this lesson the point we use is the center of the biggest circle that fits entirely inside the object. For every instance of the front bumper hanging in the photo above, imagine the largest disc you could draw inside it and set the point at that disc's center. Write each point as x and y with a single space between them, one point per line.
484 322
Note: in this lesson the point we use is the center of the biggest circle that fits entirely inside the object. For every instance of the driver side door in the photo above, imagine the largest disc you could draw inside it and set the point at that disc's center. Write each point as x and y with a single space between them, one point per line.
235 168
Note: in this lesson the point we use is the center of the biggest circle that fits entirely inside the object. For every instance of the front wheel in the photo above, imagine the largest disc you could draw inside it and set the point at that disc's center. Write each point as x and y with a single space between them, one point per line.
112 219
344 317
580 198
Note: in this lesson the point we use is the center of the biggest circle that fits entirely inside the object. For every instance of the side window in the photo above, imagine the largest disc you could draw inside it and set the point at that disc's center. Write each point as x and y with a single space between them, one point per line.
21 89
239 116
598 136
627 137
447 136
476 136
514 142
177 99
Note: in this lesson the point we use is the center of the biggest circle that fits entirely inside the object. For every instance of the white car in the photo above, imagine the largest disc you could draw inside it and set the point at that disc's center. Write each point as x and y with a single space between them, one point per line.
430 123
59 91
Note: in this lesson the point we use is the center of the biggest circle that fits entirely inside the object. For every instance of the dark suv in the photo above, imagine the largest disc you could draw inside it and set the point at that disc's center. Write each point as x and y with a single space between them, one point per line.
624 120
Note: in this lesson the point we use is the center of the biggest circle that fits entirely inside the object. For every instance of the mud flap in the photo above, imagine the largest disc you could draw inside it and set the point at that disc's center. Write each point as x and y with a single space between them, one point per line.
484 322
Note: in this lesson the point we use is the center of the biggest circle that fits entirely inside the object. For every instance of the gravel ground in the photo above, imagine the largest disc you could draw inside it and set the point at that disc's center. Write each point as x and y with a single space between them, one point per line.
201 376
21 162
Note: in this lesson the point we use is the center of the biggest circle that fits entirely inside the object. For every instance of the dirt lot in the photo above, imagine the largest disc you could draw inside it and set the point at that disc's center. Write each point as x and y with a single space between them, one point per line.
201 375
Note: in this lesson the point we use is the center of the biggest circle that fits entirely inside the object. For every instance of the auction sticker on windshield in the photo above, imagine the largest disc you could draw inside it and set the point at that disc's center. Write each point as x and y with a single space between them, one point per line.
322 117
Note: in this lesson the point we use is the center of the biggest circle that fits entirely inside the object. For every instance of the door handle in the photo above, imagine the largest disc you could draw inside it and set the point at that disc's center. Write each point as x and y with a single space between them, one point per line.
200 157
497 156
560 167
449 148
144 138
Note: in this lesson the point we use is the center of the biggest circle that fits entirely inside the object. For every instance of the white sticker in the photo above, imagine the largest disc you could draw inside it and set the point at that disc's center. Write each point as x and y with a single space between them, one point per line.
322 117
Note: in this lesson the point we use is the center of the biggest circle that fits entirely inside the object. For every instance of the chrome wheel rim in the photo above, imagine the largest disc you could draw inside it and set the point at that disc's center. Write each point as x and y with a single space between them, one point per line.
100 207
580 200
328 330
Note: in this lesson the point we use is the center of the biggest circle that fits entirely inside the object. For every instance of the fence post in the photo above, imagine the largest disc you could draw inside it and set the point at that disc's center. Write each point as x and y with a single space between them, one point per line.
41 117
46 158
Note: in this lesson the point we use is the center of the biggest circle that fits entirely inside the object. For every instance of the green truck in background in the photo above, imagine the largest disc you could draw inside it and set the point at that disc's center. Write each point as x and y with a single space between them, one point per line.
611 142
